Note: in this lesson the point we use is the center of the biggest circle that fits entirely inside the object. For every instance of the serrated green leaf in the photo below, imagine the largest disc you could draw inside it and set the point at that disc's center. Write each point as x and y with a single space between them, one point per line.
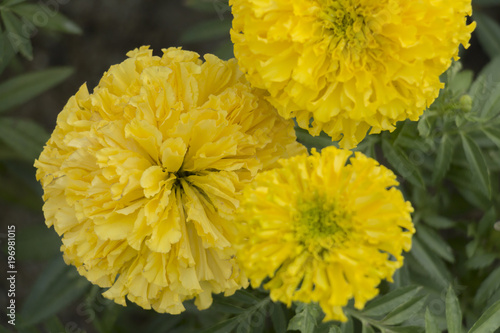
309 141
17 34
206 30
431 264
401 163
477 163
55 288
278 318
439 222
489 321
434 242
487 288
384 304
47 18
444 157
24 137
22 88
405 311
453 312
430 323
488 32
306 318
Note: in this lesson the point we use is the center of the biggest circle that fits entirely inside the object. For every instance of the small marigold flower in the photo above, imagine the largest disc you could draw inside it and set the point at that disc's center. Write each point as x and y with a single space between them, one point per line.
318 230
141 178
351 65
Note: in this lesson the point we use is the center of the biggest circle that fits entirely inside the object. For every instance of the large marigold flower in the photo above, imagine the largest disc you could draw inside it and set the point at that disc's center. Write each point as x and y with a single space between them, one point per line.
318 230
351 65
142 177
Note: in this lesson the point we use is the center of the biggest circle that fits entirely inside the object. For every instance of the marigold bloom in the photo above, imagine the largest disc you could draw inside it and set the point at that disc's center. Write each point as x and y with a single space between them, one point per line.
318 230
142 177
351 65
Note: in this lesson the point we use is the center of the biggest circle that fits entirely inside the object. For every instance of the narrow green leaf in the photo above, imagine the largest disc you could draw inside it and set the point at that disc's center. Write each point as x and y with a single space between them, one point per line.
22 88
401 163
37 243
487 222
493 134
225 326
53 324
367 328
278 318
430 323
405 311
403 329
487 288
461 82
488 32
245 297
348 326
24 137
489 321
7 53
453 312
434 242
444 157
382 305
306 318
55 288
206 30
309 141
477 162
47 18
18 34
432 265
485 83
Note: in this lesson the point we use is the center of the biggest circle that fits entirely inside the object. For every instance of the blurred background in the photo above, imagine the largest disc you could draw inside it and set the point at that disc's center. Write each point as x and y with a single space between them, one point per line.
81 41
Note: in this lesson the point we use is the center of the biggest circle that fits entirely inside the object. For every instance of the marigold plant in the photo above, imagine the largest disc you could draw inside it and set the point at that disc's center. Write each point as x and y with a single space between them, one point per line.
318 230
350 66
141 177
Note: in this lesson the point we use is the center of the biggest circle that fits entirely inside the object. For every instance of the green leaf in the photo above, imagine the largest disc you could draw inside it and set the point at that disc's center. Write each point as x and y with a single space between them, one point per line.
488 32
444 157
485 83
348 326
487 222
309 141
477 162
405 311
430 323
7 53
480 260
486 2
245 297
367 328
453 312
306 318
489 321
461 82
58 286
439 222
278 318
399 160
493 134
22 88
384 304
225 326
432 265
24 137
434 242
206 30
487 288
47 18
17 34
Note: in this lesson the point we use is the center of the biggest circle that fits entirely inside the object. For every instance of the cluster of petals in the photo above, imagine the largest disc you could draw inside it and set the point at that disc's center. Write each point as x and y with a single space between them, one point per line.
349 66
317 229
141 178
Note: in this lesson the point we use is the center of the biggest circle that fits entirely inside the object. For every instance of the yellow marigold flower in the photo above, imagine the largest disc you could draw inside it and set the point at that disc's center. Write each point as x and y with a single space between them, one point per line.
142 177
318 230
351 65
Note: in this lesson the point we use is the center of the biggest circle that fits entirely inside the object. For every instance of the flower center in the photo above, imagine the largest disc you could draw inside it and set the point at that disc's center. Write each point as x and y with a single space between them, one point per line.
321 223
